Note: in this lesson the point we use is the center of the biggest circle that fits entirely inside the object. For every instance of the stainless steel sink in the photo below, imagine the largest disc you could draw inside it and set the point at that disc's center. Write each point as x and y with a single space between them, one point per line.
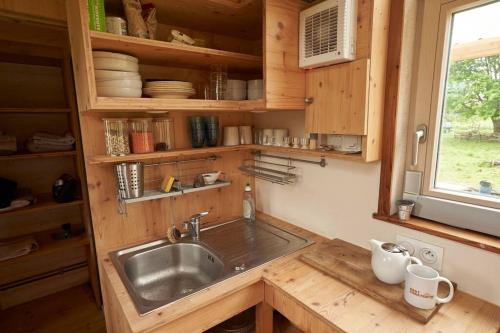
158 273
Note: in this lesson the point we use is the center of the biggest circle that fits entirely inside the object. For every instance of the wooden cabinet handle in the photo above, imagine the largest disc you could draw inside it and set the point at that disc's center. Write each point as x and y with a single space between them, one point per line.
309 100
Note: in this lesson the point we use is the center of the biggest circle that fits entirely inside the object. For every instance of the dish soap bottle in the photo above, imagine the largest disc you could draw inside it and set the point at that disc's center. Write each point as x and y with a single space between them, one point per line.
248 204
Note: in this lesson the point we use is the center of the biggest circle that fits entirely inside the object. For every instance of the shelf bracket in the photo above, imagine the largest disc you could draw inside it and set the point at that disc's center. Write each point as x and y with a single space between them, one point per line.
321 162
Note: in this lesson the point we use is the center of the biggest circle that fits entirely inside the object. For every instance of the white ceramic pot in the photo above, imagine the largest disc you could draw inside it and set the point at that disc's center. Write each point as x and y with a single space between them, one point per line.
231 136
124 83
389 261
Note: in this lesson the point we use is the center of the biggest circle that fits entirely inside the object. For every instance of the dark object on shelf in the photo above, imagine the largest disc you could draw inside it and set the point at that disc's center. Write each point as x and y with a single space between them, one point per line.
64 189
212 128
197 131
7 192
68 232
199 181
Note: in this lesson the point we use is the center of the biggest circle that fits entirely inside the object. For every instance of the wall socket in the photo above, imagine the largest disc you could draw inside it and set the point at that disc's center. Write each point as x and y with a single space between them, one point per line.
431 255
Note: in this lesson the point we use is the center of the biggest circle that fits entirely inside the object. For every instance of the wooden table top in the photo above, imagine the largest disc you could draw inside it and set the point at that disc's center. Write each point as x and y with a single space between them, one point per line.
339 305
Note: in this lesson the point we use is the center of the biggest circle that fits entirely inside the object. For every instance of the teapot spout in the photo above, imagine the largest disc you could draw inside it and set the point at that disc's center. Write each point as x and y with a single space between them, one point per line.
375 244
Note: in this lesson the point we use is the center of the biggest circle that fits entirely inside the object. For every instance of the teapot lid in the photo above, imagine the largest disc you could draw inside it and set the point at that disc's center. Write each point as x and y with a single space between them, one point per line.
394 248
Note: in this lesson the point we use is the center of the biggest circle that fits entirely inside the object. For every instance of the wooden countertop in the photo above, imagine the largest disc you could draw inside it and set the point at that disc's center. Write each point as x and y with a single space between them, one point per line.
335 304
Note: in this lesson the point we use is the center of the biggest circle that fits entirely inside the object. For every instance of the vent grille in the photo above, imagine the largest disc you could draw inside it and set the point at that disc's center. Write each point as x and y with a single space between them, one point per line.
320 34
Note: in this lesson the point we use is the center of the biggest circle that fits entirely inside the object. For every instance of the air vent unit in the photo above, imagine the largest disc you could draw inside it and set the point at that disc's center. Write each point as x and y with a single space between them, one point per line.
327 33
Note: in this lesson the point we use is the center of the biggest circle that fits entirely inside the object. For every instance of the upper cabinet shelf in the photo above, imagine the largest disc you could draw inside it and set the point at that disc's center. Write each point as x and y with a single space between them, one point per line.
256 40
155 52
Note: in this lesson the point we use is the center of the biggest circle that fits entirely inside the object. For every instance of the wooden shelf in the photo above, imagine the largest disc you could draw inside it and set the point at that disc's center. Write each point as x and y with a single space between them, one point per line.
126 104
35 110
44 202
28 156
154 52
104 159
154 195
308 152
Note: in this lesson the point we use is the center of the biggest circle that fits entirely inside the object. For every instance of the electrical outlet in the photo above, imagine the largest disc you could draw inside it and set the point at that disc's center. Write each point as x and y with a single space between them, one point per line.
431 255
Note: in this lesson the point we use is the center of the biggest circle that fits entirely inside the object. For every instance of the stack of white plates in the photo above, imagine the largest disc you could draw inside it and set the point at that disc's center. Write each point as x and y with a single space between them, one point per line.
117 74
169 89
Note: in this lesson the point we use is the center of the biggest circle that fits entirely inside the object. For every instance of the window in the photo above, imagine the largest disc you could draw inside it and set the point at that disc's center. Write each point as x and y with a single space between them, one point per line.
455 127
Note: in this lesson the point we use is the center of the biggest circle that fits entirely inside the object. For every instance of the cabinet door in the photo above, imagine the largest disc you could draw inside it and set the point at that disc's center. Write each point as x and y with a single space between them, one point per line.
284 80
338 97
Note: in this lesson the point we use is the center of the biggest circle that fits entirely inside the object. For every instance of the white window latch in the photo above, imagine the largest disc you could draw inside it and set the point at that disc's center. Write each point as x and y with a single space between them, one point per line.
420 137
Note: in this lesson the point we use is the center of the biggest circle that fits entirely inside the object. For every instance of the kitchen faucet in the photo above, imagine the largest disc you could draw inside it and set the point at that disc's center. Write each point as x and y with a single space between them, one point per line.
193 225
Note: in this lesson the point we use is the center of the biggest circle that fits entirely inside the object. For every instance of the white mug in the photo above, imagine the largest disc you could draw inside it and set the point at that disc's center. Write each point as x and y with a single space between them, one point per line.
421 286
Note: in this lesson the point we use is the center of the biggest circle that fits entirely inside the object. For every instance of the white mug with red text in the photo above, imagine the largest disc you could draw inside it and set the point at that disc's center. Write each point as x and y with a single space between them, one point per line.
421 286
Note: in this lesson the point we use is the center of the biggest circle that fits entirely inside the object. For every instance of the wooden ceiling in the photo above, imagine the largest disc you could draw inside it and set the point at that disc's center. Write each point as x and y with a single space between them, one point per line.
237 18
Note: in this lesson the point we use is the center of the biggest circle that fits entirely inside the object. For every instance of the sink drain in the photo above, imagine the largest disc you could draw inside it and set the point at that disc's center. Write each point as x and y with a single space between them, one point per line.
186 290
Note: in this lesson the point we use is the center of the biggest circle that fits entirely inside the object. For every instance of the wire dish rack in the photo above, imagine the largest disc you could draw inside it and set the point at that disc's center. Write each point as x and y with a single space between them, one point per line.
277 173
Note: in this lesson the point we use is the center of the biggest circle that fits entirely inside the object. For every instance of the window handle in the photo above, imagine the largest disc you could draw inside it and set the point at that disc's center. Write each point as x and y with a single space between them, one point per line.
420 137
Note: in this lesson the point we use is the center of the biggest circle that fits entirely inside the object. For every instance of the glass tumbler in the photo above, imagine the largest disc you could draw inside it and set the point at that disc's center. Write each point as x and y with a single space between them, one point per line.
198 133
163 133
141 135
116 136
218 82
212 128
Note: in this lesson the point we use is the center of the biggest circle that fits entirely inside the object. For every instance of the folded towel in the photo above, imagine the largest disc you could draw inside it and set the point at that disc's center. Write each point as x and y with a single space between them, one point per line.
17 247
41 148
41 137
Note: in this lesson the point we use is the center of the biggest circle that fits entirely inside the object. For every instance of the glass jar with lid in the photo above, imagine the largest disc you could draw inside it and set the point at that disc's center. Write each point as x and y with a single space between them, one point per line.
141 135
163 132
116 136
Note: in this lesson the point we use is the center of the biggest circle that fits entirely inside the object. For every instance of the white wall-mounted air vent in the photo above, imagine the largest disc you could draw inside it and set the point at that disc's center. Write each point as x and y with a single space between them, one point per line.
328 33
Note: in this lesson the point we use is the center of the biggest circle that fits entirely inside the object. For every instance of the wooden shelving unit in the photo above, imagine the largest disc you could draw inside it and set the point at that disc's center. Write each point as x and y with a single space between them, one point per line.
39 97
155 52
35 110
28 156
44 203
177 153
308 152
124 104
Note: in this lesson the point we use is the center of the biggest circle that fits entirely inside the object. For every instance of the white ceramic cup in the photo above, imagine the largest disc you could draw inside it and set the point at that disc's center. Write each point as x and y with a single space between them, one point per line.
245 135
421 286
279 134
231 136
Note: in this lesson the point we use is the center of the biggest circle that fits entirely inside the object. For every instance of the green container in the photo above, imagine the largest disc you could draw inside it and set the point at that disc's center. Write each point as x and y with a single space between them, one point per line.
97 15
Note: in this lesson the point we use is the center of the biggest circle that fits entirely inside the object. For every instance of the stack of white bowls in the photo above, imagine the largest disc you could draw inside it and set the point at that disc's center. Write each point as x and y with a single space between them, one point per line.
169 89
117 74
254 89
236 90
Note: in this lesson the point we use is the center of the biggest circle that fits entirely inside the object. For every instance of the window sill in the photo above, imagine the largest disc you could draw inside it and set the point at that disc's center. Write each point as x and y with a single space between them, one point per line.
468 237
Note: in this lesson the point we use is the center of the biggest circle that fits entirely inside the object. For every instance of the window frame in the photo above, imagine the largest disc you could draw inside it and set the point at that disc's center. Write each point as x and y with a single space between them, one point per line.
428 100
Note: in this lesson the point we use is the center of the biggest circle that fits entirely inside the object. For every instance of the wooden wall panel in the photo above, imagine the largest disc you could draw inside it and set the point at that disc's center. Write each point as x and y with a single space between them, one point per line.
51 11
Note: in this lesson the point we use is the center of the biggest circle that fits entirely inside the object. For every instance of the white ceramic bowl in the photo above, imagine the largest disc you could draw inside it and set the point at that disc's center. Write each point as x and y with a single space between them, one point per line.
101 74
116 65
124 83
114 55
254 94
255 84
211 177
118 92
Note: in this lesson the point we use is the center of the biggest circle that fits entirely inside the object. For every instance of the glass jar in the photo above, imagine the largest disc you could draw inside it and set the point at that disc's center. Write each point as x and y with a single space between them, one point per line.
141 135
163 132
116 136
218 82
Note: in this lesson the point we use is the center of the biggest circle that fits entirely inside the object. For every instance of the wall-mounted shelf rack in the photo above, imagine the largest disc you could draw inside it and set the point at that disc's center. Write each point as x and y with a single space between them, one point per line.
27 156
154 195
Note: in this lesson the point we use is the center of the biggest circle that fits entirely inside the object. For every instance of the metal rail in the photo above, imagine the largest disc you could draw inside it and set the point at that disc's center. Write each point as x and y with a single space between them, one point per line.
209 158
321 162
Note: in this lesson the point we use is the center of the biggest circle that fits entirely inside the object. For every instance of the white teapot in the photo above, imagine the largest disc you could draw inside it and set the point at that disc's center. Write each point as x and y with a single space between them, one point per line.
389 261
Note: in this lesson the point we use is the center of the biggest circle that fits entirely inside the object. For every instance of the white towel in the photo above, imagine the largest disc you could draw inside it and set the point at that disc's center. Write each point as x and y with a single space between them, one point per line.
46 138
18 247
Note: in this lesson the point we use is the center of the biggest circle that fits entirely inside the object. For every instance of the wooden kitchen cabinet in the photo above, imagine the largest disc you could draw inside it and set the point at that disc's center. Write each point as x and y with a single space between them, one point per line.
284 81
338 98
348 98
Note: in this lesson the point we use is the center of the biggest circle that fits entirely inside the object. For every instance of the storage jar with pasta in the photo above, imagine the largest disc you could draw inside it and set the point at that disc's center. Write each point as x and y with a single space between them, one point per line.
116 136
141 135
